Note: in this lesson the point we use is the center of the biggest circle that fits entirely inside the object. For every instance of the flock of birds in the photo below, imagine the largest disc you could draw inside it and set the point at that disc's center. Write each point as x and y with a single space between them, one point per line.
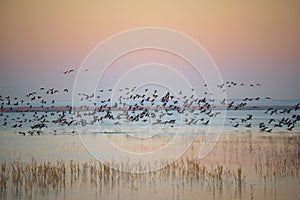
148 106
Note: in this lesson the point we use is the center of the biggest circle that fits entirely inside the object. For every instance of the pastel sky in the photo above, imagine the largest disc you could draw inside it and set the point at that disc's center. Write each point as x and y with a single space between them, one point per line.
250 41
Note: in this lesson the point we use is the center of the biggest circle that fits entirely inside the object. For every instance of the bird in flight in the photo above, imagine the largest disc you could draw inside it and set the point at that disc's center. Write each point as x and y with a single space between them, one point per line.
85 70
69 71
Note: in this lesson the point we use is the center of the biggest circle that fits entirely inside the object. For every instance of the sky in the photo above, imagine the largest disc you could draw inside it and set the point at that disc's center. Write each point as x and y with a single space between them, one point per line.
250 41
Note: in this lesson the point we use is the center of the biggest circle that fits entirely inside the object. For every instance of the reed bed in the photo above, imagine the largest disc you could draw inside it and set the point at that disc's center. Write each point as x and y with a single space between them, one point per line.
29 177
64 174
265 160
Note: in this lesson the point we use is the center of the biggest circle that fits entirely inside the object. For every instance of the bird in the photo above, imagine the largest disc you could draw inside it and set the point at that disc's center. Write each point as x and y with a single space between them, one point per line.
68 71
236 125
248 125
297 106
85 70
249 117
290 128
139 107
269 130
22 133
